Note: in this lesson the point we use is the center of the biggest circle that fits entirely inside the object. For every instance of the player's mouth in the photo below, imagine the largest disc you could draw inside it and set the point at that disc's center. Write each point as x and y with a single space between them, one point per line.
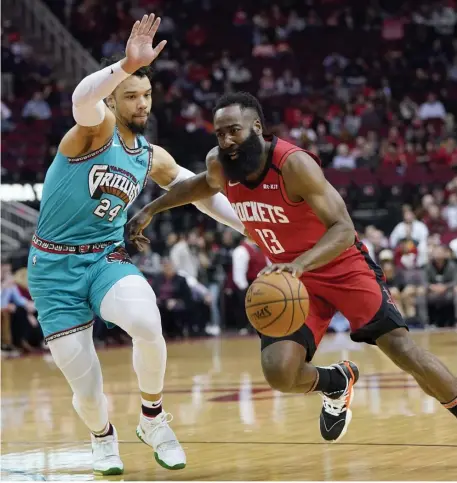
233 155
142 117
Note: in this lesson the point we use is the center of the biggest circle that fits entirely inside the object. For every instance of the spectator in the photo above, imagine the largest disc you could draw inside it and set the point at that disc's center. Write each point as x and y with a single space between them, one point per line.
416 229
403 294
7 124
288 85
343 160
434 221
432 108
174 300
450 212
113 45
441 275
408 109
183 255
37 108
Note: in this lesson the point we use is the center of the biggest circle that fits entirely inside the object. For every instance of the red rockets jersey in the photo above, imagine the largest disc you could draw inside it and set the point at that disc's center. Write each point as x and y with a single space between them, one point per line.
283 229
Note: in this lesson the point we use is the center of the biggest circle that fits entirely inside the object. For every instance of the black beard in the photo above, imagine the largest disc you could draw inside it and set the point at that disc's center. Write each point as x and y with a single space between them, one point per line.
137 128
248 161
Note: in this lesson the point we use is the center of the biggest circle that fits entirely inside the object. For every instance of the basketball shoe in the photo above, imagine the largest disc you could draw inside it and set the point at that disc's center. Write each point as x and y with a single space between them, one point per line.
156 433
336 413
105 455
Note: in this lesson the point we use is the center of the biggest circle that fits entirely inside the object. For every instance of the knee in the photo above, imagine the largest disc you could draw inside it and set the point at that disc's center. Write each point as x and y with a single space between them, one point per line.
281 365
144 322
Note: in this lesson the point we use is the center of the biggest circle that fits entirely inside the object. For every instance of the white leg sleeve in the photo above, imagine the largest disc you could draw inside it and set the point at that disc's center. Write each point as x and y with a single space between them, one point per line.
75 356
131 304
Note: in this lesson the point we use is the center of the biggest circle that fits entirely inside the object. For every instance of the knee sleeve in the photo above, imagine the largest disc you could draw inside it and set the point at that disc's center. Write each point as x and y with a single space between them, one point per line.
131 304
75 356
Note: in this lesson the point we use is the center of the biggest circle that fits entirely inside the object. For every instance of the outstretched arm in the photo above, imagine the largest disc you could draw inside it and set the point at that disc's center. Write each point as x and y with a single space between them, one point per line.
94 121
183 188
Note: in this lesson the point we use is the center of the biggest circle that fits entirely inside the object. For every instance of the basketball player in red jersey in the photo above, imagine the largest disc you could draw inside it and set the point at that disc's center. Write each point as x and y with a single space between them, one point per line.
301 223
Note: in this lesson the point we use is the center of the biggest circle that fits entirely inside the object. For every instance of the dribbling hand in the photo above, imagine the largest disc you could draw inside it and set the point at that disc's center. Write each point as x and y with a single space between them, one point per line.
139 51
295 269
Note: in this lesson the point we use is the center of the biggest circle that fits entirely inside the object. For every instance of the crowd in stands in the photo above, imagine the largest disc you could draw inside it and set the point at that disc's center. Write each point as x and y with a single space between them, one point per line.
368 85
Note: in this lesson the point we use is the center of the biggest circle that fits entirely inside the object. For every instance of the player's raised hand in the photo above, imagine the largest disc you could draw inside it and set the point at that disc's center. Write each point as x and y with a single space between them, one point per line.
139 50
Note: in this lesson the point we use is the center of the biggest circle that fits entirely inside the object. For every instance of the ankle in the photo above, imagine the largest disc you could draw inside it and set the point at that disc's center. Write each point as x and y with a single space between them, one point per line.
107 431
329 380
451 406
151 409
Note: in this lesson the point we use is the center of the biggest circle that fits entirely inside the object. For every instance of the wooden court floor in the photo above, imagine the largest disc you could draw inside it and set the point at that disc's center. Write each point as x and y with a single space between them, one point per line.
232 426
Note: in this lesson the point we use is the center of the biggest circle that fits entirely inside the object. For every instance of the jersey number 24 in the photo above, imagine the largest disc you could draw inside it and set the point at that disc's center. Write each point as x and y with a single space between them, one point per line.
104 207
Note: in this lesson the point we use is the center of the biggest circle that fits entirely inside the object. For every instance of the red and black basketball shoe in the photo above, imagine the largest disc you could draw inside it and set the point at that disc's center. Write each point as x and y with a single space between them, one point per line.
336 413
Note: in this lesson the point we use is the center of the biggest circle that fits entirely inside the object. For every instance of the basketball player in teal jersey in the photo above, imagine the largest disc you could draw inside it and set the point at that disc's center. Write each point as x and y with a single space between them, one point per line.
78 265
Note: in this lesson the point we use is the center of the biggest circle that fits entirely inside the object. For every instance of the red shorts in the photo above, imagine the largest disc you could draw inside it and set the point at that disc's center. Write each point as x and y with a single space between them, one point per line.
353 285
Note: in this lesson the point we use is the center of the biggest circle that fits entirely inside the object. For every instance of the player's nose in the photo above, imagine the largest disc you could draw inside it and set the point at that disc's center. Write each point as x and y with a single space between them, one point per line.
226 142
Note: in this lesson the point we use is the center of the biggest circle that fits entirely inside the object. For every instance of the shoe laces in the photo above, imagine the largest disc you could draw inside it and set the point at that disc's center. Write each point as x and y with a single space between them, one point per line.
159 422
335 406
104 447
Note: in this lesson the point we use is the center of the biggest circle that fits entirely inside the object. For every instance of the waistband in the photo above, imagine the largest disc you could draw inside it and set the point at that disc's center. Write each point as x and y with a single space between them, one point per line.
61 249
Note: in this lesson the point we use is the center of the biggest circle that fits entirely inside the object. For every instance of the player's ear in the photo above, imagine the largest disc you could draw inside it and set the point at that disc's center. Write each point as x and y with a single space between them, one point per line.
258 127
110 102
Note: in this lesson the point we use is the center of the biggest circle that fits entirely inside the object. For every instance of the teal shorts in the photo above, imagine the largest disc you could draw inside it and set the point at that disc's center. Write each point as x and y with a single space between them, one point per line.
68 289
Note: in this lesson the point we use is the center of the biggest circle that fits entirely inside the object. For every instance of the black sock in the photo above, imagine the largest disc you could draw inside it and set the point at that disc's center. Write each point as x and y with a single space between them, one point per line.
451 406
330 381
151 412
108 432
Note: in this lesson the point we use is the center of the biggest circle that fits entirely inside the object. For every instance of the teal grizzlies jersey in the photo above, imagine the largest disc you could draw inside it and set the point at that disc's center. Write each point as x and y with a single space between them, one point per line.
85 199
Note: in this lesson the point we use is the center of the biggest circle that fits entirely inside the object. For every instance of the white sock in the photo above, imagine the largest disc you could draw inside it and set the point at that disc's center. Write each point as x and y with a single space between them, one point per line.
151 404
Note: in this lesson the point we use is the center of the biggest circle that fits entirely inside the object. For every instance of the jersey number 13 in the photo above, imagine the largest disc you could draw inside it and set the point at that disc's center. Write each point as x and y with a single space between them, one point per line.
269 239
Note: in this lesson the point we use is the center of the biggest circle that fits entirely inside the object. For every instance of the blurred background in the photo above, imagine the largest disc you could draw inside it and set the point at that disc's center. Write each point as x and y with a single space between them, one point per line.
368 85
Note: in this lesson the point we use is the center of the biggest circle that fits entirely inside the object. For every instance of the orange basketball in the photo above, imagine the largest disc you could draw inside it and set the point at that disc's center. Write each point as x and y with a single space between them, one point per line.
277 304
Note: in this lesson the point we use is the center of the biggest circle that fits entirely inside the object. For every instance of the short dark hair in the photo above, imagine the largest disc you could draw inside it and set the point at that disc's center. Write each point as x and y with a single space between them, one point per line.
141 72
244 100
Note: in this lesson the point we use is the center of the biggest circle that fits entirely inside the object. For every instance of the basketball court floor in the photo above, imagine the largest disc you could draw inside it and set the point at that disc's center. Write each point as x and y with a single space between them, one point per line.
232 426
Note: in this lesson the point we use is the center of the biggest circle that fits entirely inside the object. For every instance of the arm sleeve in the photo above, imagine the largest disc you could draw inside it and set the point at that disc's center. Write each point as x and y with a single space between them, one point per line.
88 105
240 259
217 206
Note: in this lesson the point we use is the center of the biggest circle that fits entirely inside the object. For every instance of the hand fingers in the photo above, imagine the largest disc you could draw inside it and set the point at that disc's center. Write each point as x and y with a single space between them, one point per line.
141 28
149 23
159 48
154 28
135 28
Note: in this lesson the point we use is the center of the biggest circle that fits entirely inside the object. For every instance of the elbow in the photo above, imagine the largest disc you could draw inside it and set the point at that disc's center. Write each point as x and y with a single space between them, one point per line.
346 232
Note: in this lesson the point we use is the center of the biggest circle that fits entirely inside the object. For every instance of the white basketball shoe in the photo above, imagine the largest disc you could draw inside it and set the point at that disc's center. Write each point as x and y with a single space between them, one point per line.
105 455
156 433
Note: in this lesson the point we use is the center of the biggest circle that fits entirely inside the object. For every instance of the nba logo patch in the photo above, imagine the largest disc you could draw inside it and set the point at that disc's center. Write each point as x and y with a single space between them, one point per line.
34 260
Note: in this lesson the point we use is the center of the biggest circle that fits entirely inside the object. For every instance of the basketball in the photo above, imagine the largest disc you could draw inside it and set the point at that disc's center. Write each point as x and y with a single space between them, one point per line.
277 304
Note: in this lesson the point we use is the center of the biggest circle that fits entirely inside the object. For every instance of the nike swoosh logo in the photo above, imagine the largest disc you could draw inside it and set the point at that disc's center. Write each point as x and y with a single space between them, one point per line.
116 145
233 184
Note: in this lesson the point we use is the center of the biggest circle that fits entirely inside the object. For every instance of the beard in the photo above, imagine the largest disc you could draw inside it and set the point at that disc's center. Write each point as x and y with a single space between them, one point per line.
137 128
248 161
